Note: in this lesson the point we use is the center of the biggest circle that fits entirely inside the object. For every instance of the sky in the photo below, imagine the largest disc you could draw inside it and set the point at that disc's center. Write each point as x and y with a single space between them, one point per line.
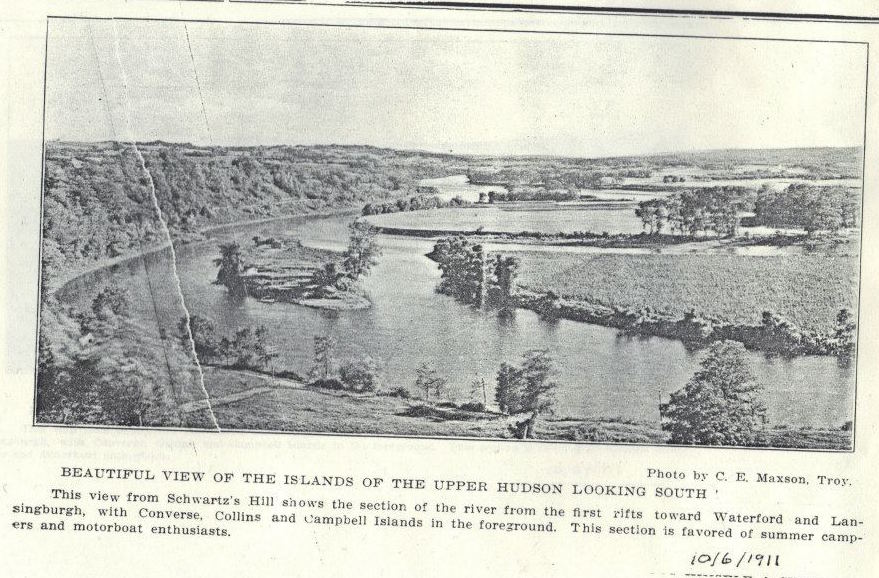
446 91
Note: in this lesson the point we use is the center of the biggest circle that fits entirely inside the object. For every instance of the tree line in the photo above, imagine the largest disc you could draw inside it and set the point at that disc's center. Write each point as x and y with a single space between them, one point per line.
693 211
718 210
413 203
808 207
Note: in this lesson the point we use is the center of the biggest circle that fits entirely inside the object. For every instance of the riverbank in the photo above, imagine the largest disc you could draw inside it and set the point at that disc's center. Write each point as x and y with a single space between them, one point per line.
313 410
280 269
694 330
200 237
648 241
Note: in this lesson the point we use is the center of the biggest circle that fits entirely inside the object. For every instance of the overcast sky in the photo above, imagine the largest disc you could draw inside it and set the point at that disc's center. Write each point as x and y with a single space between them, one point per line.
465 92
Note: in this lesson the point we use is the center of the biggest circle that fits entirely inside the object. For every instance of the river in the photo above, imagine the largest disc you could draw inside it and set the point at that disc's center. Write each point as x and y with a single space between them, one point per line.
601 373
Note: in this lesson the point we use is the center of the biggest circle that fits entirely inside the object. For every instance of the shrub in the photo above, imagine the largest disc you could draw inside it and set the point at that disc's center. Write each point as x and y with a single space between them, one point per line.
328 383
112 300
360 375
473 406
400 392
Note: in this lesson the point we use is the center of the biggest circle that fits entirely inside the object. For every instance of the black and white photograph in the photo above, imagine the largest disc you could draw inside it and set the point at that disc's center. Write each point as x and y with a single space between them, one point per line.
451 233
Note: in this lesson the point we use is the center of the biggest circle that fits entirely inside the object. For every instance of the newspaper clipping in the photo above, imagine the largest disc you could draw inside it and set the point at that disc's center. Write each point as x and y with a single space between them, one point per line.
431 290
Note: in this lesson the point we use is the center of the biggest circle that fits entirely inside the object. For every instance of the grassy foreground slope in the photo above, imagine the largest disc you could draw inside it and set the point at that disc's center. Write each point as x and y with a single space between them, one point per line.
312 410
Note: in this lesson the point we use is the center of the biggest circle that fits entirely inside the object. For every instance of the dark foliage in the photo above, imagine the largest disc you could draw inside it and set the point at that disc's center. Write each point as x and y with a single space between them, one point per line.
415 203
808 207
99 201
720 405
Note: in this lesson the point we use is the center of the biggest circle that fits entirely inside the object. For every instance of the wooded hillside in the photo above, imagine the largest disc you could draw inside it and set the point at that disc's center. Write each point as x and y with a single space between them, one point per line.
98 201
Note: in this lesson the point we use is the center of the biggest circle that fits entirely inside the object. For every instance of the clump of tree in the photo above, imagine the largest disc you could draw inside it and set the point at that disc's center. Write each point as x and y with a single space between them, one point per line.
111 301
414 203
808 207
528 389
230 269
246 348
549 306
706 210
653 214
720 405
527 193
90 373
428 380
462 264
358 375
471 278
558 174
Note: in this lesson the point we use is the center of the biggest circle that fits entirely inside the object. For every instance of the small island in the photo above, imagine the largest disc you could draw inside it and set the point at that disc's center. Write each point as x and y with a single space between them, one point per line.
281 269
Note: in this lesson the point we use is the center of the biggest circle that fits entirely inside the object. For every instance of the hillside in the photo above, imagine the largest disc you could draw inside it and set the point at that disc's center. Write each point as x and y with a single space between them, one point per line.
98 202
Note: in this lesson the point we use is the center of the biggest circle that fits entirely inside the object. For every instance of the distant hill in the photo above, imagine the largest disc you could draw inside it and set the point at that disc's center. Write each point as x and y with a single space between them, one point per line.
98 200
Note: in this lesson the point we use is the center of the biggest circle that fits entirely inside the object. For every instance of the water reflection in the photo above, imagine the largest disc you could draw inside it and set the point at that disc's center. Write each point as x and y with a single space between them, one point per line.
604 373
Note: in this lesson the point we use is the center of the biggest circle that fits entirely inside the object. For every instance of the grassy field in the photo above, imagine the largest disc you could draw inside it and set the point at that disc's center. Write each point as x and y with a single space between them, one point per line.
807 289
310 410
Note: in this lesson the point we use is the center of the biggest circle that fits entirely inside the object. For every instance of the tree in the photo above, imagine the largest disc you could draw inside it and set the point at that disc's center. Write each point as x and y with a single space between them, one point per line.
363 250
505 271
463 269
230 269
325 277
720 405
112 300
808 207
845 333
508 391
360 375
203 334
478 392
324 360
428 379
538 391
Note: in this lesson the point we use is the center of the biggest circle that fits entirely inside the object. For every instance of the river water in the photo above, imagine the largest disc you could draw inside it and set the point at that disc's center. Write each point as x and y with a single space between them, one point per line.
601 373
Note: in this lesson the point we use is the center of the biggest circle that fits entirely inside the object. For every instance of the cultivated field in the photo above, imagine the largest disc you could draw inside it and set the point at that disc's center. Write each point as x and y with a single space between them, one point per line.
806 289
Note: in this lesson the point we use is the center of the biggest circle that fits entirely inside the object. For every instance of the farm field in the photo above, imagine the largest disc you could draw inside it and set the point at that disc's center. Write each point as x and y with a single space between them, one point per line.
549 218
806 289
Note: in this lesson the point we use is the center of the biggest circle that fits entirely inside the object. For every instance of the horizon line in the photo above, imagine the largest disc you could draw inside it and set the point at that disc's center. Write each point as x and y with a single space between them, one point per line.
449 153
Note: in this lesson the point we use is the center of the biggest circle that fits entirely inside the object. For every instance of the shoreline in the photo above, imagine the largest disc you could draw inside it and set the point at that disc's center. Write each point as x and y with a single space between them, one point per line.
645 241
690 329
695 331
106 263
